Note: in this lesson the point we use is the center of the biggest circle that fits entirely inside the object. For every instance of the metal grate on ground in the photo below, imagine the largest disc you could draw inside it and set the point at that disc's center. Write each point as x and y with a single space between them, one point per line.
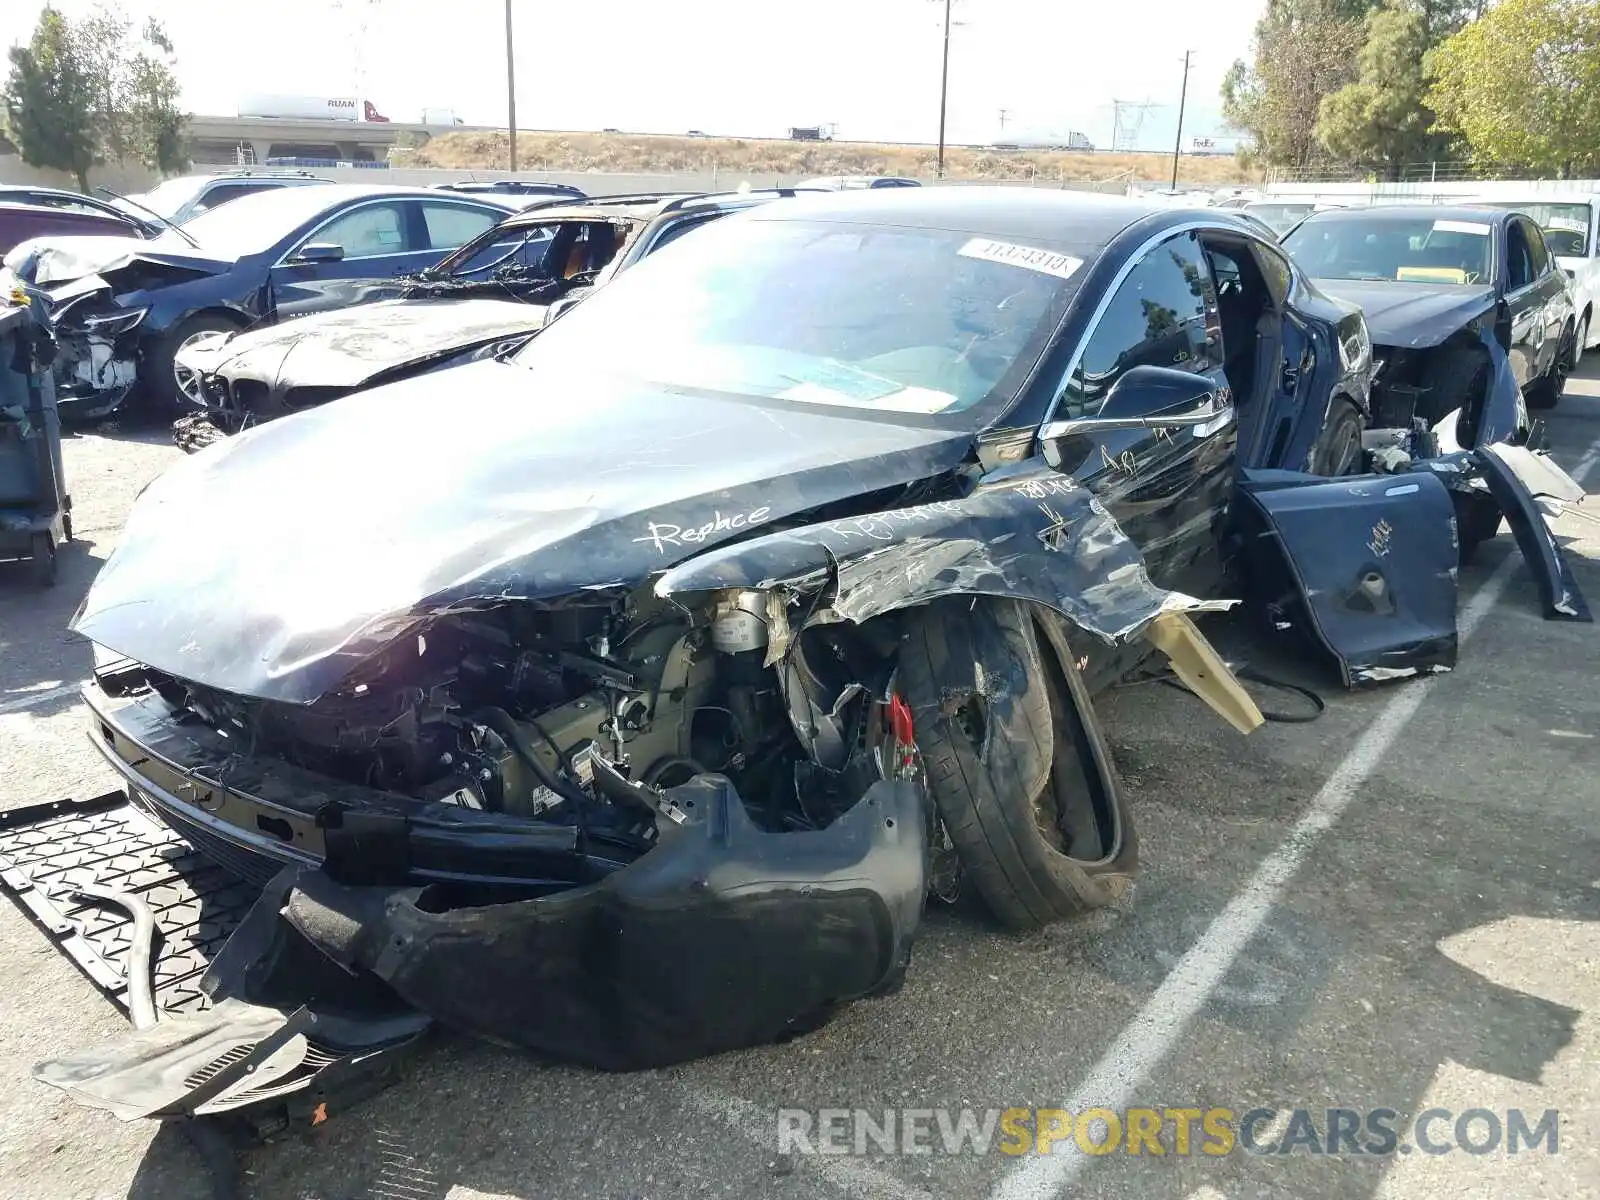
47 851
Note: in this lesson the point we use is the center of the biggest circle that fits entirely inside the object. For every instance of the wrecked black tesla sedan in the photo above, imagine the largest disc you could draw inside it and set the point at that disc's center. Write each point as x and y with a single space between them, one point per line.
121 309
775 596
497 287
1468 310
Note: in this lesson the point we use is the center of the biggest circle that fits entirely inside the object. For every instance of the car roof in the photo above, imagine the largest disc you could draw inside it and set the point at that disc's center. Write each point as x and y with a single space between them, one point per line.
299 176
35 190
1378 214
336 193
643 205
647 205
1087 220
11 205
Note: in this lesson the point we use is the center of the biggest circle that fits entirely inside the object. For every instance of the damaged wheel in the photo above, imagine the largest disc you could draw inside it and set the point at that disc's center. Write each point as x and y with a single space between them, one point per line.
1015 762
1338 451
171 389
1545 392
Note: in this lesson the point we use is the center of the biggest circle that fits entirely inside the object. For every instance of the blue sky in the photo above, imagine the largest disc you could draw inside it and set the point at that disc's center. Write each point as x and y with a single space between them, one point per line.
750 67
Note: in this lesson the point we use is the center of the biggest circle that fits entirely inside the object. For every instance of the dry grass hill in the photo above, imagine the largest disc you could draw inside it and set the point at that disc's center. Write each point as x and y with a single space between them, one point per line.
653 154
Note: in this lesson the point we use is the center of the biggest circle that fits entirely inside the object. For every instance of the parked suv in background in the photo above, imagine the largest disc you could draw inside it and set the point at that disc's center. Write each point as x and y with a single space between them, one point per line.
177 200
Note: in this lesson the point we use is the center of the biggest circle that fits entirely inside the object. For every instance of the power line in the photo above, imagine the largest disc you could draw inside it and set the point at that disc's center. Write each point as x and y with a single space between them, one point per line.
1127 118
1183 96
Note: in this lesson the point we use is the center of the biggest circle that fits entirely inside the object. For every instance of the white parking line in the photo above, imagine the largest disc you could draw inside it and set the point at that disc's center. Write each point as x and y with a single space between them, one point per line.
29 700
1159 1025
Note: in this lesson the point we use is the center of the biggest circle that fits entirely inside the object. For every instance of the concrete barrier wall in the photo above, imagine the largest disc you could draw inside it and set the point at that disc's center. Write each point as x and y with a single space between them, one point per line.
135 179
118 179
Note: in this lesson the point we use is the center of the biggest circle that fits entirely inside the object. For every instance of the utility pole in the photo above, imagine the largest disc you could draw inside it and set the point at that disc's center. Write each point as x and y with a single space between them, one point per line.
511 91
1183 95
1004 113
944 89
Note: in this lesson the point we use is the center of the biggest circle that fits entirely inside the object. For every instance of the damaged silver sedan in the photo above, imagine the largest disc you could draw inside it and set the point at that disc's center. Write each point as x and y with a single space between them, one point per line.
624 700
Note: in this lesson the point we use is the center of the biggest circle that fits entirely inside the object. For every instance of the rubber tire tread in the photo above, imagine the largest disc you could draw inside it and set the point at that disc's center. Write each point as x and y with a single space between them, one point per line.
986 802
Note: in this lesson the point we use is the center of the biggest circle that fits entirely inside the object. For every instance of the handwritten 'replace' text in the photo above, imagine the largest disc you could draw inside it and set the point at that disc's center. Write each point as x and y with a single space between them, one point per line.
663 534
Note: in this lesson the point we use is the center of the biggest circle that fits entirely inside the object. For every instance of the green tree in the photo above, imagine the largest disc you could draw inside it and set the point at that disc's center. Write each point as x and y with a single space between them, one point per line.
91 91
1522 85
1382 120
137 117
49 100
1301 52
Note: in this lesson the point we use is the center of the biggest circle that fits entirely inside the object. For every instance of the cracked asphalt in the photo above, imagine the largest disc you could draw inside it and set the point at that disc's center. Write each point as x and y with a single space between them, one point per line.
1438 945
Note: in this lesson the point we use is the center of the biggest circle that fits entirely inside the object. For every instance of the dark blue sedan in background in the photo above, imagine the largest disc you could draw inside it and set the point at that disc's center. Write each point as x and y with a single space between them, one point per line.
122 308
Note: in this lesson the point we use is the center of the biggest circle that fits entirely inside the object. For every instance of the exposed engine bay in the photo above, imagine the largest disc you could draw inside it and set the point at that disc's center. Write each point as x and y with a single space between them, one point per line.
1430 383
582 715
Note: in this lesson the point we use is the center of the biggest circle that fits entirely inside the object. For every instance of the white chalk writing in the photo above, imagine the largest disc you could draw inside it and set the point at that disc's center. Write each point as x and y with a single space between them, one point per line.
1040 489
1123 462
663 534
1053 535
880 527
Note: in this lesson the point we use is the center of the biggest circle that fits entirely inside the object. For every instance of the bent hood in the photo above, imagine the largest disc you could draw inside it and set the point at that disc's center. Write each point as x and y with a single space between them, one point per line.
270 563
51 260
347 347
1411 315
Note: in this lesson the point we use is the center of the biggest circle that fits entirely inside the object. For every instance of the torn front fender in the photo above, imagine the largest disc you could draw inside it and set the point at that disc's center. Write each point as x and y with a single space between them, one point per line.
1044 539
1503 415
1521 483
1366 564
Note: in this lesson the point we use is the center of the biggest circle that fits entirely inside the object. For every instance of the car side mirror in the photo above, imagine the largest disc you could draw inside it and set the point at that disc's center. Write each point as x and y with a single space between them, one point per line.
318 252
1147 397
556 308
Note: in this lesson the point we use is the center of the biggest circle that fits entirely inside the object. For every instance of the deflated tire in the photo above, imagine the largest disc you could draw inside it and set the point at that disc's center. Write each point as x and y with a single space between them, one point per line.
1015 761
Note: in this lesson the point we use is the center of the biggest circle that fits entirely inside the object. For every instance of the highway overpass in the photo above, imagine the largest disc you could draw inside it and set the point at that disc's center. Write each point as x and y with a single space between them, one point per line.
247 139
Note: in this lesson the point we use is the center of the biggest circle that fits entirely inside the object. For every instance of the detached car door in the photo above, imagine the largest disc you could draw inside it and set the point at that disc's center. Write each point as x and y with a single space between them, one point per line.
1168 486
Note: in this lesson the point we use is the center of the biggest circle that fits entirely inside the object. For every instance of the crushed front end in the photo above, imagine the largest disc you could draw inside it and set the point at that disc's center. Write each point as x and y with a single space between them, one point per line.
97 351
593 831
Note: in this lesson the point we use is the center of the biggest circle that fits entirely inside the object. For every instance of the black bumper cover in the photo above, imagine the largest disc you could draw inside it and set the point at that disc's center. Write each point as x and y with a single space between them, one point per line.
722 936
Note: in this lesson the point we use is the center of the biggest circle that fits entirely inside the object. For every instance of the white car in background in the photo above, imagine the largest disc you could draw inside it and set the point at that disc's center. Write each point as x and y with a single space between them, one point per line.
1569 223
1283 213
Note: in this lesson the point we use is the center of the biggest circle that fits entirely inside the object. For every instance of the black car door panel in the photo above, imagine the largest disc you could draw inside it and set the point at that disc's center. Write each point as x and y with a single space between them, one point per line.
1525 301
380 242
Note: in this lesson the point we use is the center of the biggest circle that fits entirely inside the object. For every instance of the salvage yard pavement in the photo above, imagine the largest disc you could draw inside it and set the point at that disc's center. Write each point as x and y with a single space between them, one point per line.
1394 907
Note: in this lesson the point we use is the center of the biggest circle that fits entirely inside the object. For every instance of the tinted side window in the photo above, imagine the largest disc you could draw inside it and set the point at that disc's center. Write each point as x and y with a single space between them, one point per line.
1164 314
675 231
1276 271
61 202
1519 266
223 192
452 225
1536 249
370 230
